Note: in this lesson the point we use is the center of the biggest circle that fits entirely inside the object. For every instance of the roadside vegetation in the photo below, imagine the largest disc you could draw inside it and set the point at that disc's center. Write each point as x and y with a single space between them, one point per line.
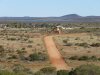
79 48
81 70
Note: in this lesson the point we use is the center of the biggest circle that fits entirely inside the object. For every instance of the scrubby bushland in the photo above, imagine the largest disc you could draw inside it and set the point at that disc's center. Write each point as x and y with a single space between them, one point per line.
21 70
47 71
79 58
4 72
86 70
84 58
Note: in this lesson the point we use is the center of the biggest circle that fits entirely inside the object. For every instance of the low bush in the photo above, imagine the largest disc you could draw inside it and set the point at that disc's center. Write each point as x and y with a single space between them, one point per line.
84 58
1 48
13 57
48 70
29 46
95 45
94 58
82 44
86 70
30 41
38 73
23 49
22 57
77 38
37 57
4 72
74 58
20 69
12 39
68 44
62 72
65 41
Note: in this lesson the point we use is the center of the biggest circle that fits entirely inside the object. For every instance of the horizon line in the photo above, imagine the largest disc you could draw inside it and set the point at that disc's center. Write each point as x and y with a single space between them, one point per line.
49 16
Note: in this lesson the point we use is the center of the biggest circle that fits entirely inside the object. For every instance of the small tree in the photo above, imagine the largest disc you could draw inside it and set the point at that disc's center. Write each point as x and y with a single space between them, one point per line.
84 58
37 56
62 72
48 70
86 70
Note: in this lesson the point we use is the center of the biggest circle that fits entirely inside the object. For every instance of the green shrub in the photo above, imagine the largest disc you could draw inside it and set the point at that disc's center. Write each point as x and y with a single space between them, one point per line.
68 44
4 72
20 69
23 49
93 58
77 38
48 70
74 58
86 70
84 58
25 39
22 57
39 73
62 72
12 39
65 41
13 57
99 59
30 41
82 44
29 46
1 48
37 56
95 45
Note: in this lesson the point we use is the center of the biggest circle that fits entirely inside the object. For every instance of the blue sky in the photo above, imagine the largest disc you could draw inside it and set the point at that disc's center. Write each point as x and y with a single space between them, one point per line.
44 8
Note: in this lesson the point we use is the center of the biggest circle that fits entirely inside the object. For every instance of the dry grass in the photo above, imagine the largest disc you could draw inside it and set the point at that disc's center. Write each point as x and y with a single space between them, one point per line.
68 51
24 41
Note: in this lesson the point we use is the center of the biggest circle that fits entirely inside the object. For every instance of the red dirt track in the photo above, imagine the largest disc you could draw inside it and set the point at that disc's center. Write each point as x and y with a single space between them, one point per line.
54 55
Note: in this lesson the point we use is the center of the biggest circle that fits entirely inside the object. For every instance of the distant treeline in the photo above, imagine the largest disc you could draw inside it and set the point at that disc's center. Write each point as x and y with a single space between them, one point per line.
47 24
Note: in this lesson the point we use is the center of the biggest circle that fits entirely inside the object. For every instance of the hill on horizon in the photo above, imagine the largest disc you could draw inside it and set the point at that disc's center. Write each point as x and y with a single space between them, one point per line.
65 18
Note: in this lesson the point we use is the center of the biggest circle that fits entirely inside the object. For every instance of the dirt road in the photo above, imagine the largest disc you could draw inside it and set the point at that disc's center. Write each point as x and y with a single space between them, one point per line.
54 54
